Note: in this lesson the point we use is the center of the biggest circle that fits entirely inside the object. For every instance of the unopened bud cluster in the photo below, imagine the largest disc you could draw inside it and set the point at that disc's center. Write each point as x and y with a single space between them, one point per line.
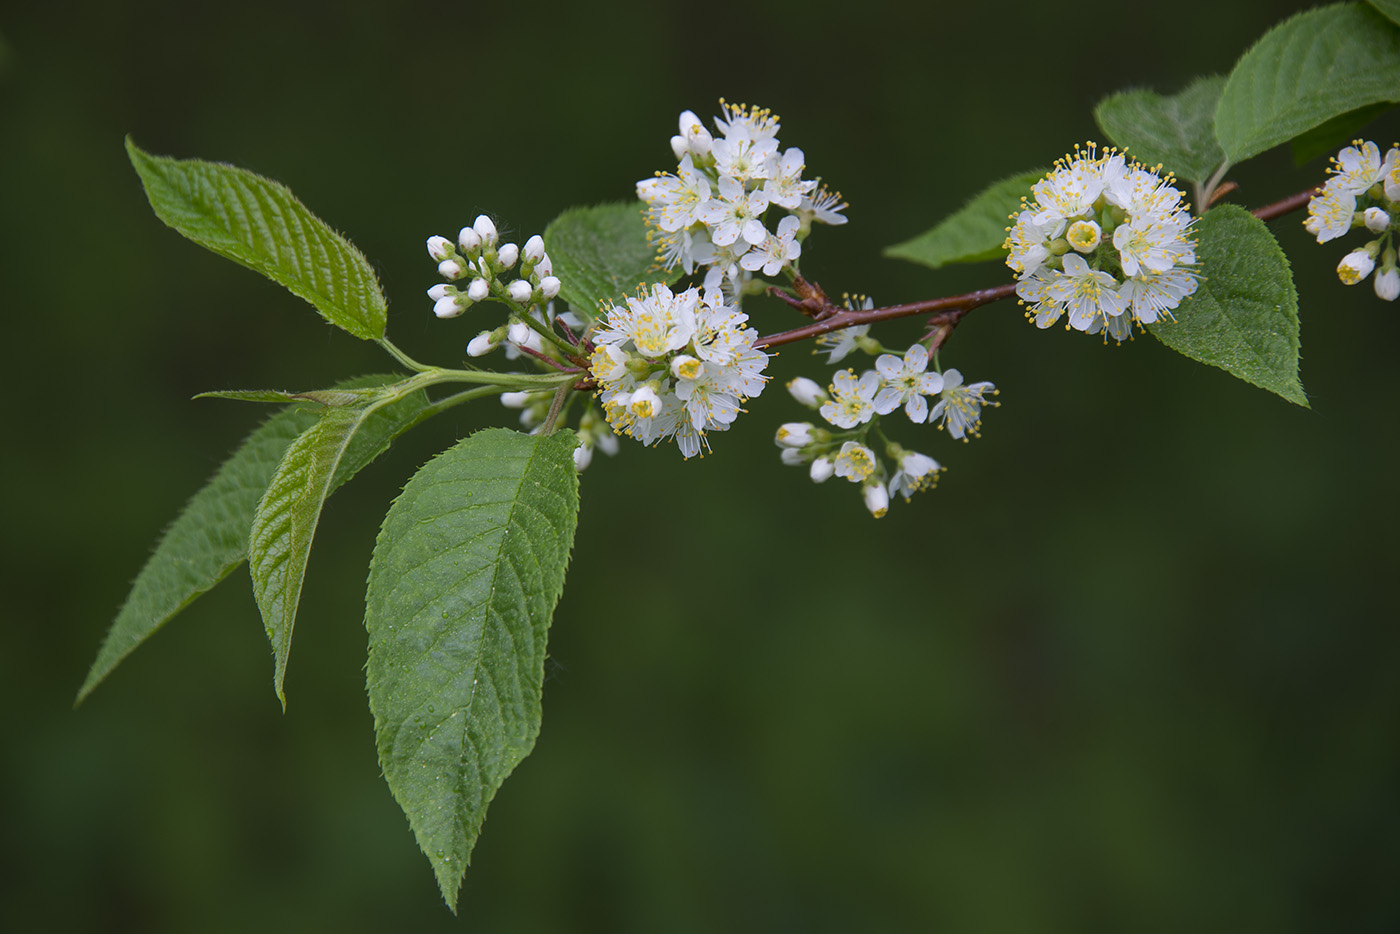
712 211
856 403
1106 241
489 269
1362 194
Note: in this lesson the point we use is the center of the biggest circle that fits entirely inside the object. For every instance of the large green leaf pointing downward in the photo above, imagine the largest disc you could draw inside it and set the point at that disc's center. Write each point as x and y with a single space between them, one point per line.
259 223
975 232
602 253
209 539
1305 71
468 566
1244 316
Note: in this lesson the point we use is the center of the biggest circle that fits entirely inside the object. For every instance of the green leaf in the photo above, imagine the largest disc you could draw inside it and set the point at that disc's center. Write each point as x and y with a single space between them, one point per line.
1390 8
601 254
1177 131
258 223
466 572
1244 316
1305 71
975 232
279 542
1335 133
209 538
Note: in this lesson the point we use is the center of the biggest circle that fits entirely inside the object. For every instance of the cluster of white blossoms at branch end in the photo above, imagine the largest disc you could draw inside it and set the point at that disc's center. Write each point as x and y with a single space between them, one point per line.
1106 241
675 365
1363 192
712 211
855 403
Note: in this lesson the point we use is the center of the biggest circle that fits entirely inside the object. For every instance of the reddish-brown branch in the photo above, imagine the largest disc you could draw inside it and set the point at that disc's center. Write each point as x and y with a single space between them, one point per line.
948 311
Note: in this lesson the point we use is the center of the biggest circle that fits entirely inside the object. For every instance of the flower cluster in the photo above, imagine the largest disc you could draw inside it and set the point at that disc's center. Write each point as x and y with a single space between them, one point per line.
478 259
1106 241
1364 191
855 403
711 212
675 365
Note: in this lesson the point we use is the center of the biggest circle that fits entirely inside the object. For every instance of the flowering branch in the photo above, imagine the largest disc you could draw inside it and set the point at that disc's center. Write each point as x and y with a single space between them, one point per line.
948 310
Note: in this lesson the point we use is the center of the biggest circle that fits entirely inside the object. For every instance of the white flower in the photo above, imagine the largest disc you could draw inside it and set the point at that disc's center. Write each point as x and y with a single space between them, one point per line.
1154 295
583 456
824 207
741 120
854 461
478 290
675 200
549 287
776 251
734 212
960 407
451 269
1087 294
784 185
807 391
507 256
449 306
1153 244
1376 220
520 291
839 344
697 139
823 468
877 500
1330 212
534 249
1027 242
468 241
851 399
521 334
656 322
1387 283
1355 266
916 472
793 457
1355 169
906 383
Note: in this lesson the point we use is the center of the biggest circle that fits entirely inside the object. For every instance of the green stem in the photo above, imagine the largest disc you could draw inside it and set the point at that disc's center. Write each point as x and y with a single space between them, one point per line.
400 356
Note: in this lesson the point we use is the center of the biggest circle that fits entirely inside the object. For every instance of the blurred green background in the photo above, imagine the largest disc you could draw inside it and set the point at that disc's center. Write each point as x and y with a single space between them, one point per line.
1131 667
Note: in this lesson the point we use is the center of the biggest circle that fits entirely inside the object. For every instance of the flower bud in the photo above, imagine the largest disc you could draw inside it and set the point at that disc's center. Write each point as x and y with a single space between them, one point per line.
583 456
1388 284
442 290
478 290
807 392
794 435
686 367
439 248
450 269
645 403
877 500
449 307
822 469
1375 220
1355 266
794 457
544 267
549 287
1084 236
516 400
521 335
508 255
680 146
485 229
534 249
468 240
482 344
520 291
